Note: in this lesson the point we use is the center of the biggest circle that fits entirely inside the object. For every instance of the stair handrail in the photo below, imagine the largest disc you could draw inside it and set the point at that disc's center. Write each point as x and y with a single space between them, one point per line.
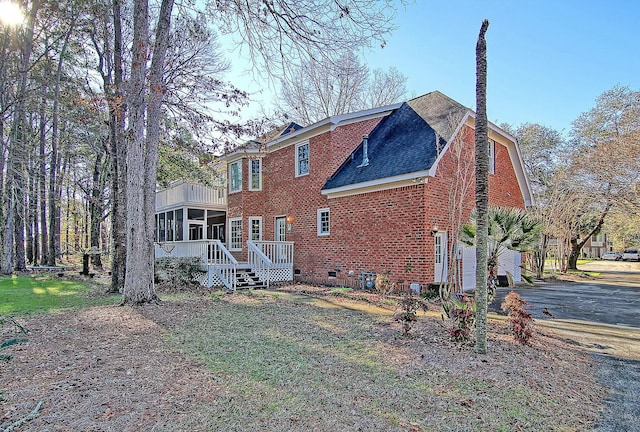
259 262
221 259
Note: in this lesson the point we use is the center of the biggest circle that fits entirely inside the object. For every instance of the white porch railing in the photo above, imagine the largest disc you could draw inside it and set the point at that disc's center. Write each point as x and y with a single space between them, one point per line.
270 261
189 193
281 256
220 264
259 263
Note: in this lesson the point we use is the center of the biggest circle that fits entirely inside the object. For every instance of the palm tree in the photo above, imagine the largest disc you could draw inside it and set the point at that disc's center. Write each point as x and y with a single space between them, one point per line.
482 187
509 229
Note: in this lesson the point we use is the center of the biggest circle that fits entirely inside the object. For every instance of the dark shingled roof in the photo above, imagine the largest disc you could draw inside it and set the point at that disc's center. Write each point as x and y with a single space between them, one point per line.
441 112
402 143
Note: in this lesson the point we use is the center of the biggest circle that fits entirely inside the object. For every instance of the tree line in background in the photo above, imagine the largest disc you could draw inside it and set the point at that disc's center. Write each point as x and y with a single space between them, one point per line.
101 101
588 182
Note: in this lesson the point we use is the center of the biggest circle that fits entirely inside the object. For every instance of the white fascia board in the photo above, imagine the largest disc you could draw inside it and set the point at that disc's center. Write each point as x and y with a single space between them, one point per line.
240 153
516 160
333 122
377 185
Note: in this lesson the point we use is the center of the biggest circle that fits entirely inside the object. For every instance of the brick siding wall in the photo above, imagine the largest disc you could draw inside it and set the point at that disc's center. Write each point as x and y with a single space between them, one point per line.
383 232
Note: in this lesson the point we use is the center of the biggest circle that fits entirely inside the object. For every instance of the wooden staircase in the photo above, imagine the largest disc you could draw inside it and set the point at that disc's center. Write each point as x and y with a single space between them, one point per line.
246 279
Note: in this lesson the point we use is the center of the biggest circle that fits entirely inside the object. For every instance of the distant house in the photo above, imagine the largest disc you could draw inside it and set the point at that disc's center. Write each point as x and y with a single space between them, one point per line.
368 192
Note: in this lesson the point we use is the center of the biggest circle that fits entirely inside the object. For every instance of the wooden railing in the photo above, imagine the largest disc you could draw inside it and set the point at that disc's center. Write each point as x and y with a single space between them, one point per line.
259 263
212 253
221 263
280 253
280 256
271 261
189 193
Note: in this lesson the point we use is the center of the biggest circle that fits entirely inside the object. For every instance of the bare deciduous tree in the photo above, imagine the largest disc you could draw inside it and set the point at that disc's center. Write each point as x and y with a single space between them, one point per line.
320 90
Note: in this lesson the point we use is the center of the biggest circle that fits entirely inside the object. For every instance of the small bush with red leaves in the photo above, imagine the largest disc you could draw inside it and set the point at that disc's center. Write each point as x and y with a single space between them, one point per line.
520 320
407 310
462 313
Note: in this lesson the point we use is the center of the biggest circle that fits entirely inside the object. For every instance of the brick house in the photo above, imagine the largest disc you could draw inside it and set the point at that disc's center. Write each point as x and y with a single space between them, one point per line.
381 191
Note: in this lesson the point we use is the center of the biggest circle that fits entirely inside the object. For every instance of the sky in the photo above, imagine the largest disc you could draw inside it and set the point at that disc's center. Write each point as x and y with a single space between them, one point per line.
548 60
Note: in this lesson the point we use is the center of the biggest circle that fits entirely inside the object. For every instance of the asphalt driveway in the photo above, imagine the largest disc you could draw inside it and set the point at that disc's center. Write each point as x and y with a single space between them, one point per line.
613 297
602 315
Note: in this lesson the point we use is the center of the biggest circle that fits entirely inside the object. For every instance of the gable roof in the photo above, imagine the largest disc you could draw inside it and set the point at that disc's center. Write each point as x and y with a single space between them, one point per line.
441 112
402 148
401 143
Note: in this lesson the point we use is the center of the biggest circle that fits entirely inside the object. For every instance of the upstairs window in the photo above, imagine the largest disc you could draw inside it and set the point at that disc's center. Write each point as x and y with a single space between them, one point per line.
302 159
235 176
492 157
255 174
323 222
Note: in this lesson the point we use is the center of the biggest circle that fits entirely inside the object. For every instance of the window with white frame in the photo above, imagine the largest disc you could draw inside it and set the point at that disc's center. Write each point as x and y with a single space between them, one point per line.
323 222
255 228
235 234
302 159
255 174
235 176
492 156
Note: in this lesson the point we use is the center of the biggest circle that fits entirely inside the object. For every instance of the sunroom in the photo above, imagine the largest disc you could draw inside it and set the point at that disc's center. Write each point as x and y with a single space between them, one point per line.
190 212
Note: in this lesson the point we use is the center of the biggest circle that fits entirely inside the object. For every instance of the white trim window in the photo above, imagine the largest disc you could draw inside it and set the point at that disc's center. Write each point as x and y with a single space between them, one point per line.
255 174
255 228
324 222
235 176
302 159
235 234
492 156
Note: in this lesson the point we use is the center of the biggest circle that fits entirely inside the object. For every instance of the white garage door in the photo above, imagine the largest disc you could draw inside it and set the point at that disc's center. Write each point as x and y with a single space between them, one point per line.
508 261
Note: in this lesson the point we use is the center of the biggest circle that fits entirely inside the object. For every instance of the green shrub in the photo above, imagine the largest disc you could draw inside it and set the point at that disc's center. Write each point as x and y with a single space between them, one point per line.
177 271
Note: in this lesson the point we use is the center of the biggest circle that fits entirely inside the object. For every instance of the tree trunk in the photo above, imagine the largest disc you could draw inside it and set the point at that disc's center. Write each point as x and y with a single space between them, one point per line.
31 217
139 285
574 254
14 242
96 210
117 110
482 190
19 185
540 257
577 244
54 182
42 184
142 153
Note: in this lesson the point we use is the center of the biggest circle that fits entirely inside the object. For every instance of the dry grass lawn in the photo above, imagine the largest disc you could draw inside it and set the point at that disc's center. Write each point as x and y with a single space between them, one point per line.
297 359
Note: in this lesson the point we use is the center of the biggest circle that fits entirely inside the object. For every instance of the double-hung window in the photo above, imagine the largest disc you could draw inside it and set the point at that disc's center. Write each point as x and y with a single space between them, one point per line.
235 176
324 222
255 228
255 174
235 234
302 159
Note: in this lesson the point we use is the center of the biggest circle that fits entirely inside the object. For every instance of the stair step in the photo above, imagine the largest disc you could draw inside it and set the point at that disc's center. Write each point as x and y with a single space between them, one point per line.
248 279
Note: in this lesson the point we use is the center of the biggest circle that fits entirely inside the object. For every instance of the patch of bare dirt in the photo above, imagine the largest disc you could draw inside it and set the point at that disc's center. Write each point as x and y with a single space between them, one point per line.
112 368
100 369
